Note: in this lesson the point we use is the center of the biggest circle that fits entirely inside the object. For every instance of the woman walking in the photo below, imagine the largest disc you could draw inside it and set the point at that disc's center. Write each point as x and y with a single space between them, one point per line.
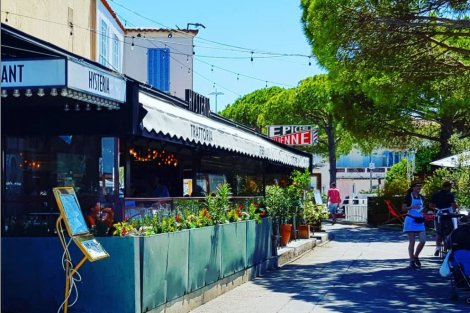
414 223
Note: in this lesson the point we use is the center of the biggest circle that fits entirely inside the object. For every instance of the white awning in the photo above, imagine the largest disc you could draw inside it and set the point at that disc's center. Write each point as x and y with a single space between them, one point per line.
171 120
457 160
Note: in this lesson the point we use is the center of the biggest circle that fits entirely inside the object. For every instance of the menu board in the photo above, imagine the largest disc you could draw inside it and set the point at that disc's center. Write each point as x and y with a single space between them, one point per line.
73 215
91 247
75 223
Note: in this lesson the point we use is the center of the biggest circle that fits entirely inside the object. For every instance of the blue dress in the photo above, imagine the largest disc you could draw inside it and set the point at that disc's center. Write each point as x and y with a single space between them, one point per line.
410 224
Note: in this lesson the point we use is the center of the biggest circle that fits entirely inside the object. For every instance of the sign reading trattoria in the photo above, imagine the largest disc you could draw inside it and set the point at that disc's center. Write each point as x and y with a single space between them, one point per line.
201 133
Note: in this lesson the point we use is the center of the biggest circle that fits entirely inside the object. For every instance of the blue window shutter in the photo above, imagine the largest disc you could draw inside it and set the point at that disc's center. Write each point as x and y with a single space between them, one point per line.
159 68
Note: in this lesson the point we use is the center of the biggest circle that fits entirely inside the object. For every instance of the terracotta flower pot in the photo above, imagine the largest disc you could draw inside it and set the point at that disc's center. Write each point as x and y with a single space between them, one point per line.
286 230
304 231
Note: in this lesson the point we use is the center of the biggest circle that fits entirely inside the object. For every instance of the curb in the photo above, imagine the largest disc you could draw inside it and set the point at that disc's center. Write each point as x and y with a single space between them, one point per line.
295 249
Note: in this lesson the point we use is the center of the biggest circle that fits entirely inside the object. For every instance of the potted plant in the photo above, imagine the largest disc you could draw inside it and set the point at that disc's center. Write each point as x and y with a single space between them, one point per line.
277 207
298 193
314 214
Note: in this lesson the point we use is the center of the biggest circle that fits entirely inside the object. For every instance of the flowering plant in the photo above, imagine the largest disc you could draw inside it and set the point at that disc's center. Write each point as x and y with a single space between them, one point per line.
216 209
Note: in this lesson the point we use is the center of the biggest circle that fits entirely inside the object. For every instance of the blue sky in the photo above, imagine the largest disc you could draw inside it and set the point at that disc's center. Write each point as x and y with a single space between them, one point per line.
233 30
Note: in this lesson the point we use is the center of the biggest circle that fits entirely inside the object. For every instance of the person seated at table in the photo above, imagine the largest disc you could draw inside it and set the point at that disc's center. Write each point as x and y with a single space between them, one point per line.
100 219
160 190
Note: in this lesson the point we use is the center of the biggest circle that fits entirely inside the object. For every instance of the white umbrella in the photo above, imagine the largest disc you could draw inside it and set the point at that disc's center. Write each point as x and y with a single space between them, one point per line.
456 160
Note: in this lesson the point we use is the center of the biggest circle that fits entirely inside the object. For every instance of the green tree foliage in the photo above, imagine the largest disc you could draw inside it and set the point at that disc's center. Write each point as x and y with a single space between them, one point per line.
434 182
311 103
396 182
418 40
425 155
246 110
405 65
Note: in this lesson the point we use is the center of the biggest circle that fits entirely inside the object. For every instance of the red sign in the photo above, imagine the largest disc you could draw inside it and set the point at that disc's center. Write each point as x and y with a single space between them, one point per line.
302 138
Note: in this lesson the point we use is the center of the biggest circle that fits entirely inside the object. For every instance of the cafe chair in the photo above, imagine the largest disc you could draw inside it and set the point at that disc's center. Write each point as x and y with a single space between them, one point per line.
394 215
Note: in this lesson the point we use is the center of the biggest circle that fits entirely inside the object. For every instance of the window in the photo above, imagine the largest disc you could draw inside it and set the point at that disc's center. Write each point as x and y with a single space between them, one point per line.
159 68
116 53
36 164
103 55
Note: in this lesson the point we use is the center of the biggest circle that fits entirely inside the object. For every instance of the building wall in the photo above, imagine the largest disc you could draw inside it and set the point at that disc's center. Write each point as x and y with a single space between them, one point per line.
50 21
114 31
181 54
349 180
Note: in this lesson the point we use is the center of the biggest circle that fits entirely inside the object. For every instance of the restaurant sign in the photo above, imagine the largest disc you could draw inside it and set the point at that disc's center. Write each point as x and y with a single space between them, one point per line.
197 103
59 73
293 135
94 81
29 73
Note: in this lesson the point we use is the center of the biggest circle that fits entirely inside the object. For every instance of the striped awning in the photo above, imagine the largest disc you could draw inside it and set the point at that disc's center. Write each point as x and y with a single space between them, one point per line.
171 120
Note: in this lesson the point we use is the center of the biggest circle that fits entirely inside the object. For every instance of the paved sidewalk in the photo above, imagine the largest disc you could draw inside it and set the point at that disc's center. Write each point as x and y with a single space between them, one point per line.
359 270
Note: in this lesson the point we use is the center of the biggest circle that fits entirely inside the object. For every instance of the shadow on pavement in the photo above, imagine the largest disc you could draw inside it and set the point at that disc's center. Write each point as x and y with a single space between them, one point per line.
367 285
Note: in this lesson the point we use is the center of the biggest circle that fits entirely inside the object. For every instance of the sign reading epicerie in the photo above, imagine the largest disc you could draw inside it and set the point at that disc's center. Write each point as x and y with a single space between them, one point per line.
95 81
37 73
280 130
292 135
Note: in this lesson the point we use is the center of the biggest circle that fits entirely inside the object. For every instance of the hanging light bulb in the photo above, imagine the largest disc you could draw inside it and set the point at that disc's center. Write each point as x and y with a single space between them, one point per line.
238 76
187 59
77 107
66 107
132 44
28 93
41 92
309 62
87 108
6 18
251 56
212 68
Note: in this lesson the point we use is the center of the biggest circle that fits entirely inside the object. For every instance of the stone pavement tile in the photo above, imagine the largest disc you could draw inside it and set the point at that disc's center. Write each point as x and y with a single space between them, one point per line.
361 270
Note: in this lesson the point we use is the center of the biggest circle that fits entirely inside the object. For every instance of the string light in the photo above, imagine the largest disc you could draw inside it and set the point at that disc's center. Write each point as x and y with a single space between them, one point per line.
309 62
33 165
239 49
150 155
6 18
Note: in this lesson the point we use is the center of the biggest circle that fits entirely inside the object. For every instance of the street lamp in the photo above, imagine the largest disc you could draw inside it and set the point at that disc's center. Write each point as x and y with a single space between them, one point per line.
216 93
